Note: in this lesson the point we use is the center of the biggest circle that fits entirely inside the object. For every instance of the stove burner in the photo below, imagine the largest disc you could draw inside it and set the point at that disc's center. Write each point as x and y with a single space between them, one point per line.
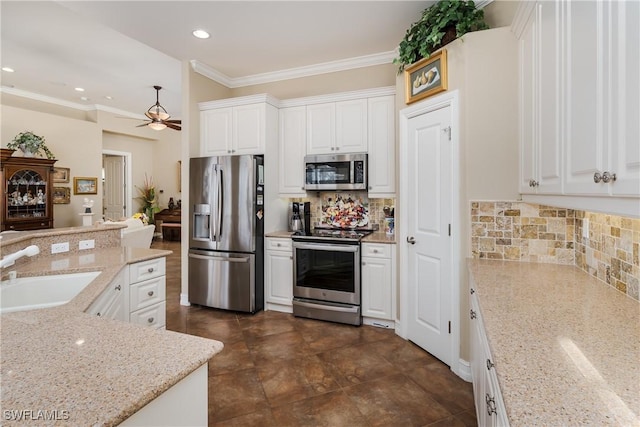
336 234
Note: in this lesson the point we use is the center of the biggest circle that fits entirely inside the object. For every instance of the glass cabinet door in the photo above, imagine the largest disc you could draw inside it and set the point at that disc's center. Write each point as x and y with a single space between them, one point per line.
26 195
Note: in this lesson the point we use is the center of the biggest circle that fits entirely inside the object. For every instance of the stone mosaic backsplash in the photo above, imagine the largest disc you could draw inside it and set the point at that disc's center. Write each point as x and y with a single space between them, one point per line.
375 207
521 231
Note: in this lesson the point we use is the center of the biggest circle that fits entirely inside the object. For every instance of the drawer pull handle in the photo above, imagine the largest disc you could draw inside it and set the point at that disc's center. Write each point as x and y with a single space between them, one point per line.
489 364
118 288
150 269
472 291
278 244
491 404
472 314
150 320
98 314
150 293
375 251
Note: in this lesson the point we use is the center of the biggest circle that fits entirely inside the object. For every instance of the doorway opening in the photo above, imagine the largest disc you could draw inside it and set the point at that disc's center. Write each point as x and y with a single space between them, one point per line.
116 184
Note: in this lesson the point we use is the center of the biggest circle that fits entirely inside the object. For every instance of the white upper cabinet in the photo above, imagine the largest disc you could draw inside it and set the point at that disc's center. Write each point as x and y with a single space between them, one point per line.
382 146
337 127
540 132
291 150
236 126
579 104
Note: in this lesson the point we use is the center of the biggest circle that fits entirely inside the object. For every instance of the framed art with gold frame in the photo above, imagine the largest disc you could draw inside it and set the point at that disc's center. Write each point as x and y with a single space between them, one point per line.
61 174
85 185
61 195
426 77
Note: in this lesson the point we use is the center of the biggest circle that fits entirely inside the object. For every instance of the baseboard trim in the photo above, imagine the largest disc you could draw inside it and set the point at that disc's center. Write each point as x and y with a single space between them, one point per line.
184 300
464 370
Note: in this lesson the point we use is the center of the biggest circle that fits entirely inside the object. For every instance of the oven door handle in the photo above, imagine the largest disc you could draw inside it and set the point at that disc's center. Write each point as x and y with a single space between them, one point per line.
327 307
326 247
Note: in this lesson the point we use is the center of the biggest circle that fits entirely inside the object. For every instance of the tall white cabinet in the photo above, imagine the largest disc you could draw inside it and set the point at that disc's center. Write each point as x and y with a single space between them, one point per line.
291 151
580 104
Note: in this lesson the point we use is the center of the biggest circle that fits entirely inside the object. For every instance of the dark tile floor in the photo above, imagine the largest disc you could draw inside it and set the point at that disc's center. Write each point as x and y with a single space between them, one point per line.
279 370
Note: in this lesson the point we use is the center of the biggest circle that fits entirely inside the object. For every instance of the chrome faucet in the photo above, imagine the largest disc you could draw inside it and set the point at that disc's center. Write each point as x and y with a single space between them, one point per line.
10 259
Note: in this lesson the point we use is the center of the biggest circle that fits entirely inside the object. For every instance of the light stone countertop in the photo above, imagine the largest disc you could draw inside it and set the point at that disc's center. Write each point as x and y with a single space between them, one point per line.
566 346
100 371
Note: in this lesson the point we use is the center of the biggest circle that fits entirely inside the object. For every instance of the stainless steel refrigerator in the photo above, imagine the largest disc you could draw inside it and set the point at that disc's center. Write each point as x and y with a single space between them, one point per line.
226 232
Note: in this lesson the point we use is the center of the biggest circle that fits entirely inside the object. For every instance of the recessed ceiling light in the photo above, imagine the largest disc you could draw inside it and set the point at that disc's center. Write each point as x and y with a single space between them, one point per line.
79 89
84 98
108 97
8 69
201 34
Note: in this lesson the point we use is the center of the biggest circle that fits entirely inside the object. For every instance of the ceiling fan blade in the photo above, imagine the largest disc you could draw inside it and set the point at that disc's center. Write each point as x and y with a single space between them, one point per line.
173 121
143 124
172 126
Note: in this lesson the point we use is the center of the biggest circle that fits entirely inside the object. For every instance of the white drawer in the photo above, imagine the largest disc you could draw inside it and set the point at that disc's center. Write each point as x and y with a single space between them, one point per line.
275 244
145 270
153 317
149 292
379 250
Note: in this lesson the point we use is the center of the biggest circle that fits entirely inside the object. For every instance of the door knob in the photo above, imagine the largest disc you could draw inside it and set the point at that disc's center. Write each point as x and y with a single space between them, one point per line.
411 240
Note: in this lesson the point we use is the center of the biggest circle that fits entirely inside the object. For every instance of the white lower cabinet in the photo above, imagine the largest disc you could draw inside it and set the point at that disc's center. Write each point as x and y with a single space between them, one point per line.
113 303
136 295
378 283
278 267
490 409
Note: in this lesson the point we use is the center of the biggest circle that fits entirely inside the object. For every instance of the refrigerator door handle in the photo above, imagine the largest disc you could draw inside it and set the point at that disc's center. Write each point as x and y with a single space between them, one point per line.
219 173
212 225
219 258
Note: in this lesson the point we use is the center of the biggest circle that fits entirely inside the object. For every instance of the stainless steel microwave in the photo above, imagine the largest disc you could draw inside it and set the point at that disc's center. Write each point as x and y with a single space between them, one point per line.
336 172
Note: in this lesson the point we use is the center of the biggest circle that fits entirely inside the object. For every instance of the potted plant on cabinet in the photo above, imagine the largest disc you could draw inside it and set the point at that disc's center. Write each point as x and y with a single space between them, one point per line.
30 144
148 198
439 25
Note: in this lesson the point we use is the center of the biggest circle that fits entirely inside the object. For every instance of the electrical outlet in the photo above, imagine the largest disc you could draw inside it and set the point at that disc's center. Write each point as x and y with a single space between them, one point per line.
86 244
56 248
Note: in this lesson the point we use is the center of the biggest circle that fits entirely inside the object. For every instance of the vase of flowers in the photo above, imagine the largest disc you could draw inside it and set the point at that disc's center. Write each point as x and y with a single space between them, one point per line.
30 144
148 198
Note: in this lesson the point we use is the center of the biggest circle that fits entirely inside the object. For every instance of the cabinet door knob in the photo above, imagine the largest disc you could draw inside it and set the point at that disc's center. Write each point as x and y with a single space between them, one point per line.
150 320
150 293
375 251
229 151
98 314
302 188
291 257
332 148
278 244
597 177
364 263
118 288
371 187
608 177
411 240
150 269
489 364
472 291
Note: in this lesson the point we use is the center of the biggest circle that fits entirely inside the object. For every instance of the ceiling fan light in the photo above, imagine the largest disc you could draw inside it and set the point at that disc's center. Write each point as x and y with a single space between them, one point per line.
157 125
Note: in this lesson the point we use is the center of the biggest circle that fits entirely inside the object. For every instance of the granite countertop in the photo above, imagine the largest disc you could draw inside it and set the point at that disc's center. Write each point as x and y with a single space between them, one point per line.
99 371
10 237
375 237
565 345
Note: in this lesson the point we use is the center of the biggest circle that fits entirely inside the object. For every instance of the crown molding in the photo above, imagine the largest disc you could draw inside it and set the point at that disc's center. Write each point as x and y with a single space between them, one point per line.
68 104
337 97
481 4
240 100
294 73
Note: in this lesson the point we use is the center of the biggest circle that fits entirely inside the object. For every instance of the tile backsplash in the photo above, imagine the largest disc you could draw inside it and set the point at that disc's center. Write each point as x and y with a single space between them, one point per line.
535 233
374 206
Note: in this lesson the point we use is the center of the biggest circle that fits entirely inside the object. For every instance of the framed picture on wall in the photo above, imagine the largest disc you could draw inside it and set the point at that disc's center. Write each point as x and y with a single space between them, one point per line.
426 77
61 195
61 174
85 185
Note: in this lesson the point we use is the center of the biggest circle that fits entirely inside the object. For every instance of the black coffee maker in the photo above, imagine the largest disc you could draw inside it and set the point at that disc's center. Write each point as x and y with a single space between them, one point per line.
300 218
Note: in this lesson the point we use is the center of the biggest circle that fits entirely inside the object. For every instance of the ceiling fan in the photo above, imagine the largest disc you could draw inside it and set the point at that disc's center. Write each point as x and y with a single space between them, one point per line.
158 116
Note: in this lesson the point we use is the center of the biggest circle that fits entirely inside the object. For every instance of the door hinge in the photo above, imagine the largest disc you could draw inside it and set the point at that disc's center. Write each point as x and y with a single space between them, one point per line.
449 229
449 326
448 131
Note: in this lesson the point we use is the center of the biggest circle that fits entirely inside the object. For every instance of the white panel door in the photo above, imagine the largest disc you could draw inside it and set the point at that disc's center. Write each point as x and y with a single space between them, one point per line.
114 186
626 99
585 98
249 129
215 132
351 126
528 155
292 149
279 277
376 288
548 74
321 128
382 146
429 205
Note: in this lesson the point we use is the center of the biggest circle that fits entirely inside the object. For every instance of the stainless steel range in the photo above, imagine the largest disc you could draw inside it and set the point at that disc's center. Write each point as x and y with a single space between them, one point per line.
326 275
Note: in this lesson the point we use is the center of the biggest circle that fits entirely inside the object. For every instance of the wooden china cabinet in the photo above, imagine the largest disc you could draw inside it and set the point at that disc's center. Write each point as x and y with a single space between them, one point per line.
26 194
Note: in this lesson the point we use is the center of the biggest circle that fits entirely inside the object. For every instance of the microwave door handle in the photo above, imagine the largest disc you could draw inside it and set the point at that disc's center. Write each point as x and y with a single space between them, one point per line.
352 171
